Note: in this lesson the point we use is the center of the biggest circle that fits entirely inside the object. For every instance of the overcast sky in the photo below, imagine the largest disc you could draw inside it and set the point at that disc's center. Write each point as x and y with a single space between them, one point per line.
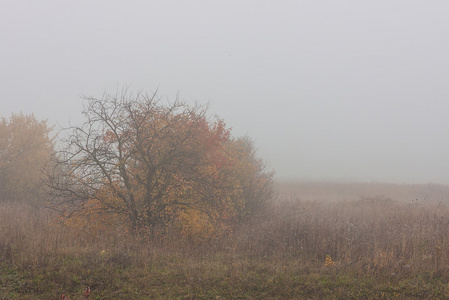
329 90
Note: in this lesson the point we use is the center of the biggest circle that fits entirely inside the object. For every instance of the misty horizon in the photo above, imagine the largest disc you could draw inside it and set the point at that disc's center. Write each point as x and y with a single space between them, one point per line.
329 91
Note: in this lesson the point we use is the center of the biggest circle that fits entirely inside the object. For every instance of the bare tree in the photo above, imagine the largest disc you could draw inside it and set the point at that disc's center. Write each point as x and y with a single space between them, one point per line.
147 162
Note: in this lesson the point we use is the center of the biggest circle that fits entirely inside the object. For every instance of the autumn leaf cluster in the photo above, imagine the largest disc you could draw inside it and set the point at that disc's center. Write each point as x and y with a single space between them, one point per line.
153 166
25 149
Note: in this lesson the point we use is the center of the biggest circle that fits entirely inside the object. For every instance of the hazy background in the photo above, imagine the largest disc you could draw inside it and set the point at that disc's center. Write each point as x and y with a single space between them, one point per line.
329 90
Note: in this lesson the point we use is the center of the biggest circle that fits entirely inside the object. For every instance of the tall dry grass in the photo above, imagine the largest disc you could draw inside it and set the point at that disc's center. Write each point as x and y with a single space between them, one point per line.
367 235
374 234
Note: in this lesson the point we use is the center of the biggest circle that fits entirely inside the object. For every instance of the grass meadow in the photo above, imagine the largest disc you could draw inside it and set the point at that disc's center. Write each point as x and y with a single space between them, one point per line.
316 240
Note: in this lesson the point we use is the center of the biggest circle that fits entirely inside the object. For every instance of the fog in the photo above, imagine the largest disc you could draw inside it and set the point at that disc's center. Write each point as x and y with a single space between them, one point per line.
328 90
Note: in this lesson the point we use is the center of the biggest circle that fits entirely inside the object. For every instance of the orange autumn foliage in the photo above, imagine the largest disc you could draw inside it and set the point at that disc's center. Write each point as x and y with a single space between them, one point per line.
157 166
25 149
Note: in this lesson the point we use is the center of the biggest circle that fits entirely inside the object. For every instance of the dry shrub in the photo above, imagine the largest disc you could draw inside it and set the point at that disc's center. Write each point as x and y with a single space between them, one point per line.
30 237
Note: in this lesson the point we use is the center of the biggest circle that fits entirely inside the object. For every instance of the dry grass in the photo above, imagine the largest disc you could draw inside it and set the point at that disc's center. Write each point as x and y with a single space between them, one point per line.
369 235
365 247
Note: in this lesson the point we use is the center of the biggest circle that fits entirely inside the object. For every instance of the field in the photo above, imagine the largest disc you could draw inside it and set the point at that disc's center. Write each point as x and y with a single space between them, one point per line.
317 240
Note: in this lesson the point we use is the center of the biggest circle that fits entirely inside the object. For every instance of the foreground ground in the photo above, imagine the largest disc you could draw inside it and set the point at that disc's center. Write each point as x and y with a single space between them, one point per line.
219 278
343 246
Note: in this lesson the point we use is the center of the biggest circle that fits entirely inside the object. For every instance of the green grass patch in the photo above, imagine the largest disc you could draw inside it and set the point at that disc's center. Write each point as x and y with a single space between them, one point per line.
209 277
